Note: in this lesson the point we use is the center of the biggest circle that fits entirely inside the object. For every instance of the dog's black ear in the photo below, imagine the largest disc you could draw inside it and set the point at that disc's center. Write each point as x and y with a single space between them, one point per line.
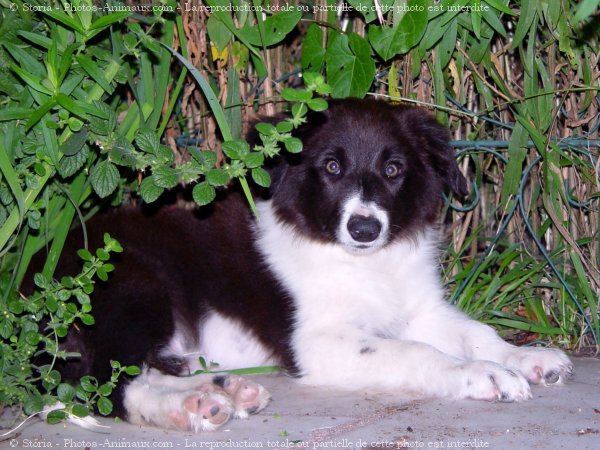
435 140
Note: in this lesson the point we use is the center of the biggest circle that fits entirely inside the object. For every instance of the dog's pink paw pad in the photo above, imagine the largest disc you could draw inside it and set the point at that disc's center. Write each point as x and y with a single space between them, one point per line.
203 412
248 397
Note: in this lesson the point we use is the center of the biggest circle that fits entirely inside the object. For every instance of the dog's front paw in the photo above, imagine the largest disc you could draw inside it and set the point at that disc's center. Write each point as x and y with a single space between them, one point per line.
202 410
248 397
541 365
486 380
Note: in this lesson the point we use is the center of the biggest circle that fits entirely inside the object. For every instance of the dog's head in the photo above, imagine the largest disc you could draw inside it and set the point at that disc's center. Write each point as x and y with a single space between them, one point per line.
370 173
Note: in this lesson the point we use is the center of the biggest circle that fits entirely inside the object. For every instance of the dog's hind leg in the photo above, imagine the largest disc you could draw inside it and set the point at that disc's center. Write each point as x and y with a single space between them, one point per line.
197 403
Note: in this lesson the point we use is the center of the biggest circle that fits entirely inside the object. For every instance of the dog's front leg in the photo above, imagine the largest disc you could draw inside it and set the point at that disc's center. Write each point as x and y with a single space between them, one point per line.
349 359
455 333
195 403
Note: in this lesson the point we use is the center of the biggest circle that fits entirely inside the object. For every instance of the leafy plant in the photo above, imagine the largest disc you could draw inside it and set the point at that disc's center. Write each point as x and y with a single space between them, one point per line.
29 352
62 78
90 395
70 143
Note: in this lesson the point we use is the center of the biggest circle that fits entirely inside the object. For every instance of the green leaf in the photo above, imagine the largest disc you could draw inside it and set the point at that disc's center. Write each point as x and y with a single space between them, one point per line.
40 280
313 50
233 103
56 416
78 107
16 307
102 254
105 406
235 149
106 125
65 392
217 177
206 158
103 276
52 379
33 402
85 254
94 72
124 154
266 128
317 104
147 141
149 190
28 62
276 28
62 17
218 33
526 18
585 9
105 390
88 383
75 143
165 177
399 39
208 91
261 177
80 410
32 81
14 113
285 126
497 4
109 19
296 95
350 68
203 193
104 178
32 338
36 38
37 115
132 370
6 328
254 159
88 319
293 145
69 165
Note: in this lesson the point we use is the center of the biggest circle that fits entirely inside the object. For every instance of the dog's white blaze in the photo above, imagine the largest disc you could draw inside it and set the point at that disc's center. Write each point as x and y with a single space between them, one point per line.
221 340
356 206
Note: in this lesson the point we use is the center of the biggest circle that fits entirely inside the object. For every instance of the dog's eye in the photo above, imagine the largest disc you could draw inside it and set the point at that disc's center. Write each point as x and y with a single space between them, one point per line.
333 167
393 169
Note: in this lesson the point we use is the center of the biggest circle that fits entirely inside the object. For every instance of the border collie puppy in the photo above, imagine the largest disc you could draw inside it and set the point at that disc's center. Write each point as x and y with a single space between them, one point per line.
337 282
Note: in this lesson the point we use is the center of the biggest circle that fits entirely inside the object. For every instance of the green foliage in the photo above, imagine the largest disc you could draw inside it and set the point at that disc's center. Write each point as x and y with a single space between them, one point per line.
31 329
68 143
62 75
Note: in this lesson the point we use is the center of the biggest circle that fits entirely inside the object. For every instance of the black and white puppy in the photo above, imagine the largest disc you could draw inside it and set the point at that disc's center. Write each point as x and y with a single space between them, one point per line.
337 283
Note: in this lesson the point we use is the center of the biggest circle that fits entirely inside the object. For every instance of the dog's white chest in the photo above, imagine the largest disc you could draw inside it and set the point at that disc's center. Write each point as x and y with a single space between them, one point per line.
377 292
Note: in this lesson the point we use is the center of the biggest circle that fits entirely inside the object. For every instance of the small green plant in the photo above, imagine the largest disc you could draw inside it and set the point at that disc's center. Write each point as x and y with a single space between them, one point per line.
80 400
240 160
31 330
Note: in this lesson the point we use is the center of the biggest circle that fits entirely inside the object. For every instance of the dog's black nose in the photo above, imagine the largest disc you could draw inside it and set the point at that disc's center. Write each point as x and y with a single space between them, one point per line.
364 229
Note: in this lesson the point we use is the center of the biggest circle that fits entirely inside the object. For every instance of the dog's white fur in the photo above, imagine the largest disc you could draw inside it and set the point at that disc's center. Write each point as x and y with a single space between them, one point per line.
380 319
375 318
